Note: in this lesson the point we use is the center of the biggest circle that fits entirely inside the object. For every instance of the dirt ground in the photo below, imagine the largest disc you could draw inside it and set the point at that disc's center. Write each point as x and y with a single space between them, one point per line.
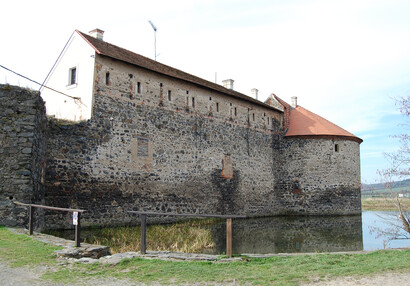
387 279
25 276
11 276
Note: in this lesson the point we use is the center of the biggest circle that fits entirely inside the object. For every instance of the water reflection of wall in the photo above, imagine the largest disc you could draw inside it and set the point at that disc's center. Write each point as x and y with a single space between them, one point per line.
293 234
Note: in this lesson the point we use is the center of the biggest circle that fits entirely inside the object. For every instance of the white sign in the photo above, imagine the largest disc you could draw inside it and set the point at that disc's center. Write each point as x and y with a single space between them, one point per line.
75 218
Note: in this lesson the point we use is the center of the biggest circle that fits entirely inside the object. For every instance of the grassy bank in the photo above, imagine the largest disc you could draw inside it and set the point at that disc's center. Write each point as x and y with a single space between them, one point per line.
383 204
20 250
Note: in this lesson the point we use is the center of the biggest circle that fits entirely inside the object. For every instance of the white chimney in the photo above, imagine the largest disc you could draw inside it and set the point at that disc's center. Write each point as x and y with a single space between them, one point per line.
255 93
228 83
294 101
97 33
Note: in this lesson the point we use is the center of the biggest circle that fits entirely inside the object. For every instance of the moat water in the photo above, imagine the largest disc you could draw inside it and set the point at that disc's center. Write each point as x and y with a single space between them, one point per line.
304 234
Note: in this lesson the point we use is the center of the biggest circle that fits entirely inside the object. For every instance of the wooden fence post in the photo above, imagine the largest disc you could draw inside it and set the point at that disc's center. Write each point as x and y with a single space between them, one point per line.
30 219
78 231
229 237
143 233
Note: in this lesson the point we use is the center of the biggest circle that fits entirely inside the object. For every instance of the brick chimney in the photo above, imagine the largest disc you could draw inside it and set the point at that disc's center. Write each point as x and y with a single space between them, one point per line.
255 93
294 101
97 33
228 83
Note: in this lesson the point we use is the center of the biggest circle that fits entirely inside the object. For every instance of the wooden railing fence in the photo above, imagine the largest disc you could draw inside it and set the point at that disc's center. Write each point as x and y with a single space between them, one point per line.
143 217
31 218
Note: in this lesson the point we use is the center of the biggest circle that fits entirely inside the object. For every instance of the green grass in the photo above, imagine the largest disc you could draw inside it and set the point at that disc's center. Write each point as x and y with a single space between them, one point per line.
386 192
21 250
383 204
267 271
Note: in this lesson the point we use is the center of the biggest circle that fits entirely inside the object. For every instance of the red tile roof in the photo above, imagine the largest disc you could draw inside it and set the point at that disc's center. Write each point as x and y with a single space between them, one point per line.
306 123
115 52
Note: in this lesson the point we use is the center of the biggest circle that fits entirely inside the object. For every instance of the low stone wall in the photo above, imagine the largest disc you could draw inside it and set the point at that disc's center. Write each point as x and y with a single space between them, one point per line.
22 149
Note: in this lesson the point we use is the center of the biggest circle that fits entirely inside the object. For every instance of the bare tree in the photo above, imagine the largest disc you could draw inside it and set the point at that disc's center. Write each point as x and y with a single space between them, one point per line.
399 169
400 160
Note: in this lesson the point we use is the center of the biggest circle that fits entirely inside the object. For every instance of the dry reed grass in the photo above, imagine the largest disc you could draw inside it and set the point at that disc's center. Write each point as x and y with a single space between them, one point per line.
192 236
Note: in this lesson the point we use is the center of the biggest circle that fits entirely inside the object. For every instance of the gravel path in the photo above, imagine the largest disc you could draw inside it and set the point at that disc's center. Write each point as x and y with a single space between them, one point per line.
387 279
24 277
19 276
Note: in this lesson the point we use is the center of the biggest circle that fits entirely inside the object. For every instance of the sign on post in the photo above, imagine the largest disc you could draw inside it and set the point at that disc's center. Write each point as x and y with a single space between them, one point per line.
75 218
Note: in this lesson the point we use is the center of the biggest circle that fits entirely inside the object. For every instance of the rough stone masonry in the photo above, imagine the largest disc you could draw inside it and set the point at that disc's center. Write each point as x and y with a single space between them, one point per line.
22 152
158 144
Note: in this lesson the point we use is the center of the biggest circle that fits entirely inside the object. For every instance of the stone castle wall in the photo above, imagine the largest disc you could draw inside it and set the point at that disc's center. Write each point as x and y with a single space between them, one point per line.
22 149
158 144
141 152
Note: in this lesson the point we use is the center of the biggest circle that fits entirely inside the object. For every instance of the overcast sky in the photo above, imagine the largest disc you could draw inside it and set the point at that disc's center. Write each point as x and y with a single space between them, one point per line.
344 60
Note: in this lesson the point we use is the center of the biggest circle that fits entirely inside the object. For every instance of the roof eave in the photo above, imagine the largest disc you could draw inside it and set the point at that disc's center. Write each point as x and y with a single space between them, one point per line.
325 136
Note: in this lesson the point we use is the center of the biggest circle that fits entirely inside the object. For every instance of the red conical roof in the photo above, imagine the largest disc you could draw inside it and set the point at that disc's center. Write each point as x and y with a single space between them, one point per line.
306 123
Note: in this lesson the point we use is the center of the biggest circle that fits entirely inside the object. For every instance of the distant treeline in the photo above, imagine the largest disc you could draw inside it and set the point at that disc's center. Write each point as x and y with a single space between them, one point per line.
381 186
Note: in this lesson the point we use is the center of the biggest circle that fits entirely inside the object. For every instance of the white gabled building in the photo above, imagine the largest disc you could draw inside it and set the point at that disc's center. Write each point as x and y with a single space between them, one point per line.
73 75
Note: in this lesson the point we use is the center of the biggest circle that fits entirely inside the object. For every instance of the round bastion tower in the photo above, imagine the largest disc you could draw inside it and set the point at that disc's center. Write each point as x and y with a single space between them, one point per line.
319 169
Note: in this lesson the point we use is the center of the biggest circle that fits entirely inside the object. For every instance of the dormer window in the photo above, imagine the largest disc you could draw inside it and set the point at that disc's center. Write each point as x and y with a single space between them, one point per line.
72 76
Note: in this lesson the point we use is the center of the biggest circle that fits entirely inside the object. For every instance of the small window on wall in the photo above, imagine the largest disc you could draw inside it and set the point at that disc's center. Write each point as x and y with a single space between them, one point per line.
72 76
138 87
337 148
193 102
169 95
217 107
107 78
142 146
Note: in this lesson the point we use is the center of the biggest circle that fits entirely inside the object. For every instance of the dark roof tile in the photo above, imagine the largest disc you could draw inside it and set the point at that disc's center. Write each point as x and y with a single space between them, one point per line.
115 52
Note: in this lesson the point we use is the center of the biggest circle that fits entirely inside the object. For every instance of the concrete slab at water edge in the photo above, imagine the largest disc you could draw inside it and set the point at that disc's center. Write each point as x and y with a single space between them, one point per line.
69 249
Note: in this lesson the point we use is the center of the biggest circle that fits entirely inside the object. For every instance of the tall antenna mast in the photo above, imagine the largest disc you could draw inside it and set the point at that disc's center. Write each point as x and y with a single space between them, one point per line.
155 38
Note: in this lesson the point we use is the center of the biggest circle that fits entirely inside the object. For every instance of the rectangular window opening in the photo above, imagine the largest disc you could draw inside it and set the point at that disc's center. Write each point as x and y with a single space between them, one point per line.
142 147
253 116
235 111
138 87
217 107
73 76
169 95
193 102
107 78
337 148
